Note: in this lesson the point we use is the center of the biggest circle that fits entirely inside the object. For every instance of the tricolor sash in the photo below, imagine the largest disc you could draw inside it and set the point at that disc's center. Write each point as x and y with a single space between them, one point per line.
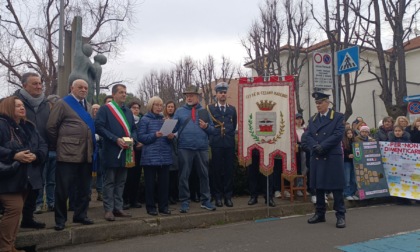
85 116
122 120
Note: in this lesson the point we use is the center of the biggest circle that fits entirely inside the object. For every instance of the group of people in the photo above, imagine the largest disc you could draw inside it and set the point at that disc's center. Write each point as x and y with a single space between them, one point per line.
399 131
60 143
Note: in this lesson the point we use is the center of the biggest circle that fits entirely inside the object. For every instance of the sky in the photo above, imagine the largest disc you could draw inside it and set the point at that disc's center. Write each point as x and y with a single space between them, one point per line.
167 30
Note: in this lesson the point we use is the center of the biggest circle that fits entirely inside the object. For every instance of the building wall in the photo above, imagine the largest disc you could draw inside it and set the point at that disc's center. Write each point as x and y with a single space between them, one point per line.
367 102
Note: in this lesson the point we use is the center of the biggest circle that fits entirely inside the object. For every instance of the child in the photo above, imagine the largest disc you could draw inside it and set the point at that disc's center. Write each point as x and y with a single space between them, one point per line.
350 179
399 135
364 135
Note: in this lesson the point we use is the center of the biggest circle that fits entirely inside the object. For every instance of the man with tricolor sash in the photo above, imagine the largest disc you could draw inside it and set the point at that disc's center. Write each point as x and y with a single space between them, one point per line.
115 123
71 132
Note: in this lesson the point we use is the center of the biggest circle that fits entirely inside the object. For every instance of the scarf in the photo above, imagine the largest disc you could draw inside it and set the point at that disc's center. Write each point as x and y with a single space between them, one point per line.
192 111
33 101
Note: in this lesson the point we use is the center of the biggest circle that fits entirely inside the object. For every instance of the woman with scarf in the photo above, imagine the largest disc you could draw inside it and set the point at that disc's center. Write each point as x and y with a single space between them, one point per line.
24 150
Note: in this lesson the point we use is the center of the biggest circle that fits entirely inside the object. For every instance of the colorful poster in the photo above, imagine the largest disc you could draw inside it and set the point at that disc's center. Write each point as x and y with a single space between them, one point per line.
266 121
402 168
370 178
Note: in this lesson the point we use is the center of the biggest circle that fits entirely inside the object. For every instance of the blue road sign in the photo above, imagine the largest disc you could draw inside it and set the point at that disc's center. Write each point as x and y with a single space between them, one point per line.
348 60
411 98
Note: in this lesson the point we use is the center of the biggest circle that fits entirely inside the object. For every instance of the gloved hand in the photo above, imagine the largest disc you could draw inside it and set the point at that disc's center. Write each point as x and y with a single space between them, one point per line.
318 149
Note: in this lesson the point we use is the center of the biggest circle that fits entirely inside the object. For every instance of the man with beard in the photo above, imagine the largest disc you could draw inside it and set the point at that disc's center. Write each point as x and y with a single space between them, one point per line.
193 143
222 145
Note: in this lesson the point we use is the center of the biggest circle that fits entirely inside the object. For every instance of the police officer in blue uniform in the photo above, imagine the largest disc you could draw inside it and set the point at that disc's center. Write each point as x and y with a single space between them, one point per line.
325 133
222 146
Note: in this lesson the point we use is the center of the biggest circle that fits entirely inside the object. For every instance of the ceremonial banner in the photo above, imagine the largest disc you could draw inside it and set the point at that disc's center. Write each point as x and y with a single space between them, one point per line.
369 172
266 120
402 168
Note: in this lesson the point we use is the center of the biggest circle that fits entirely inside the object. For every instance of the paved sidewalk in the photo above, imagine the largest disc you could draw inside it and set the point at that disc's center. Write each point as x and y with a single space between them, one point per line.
143 224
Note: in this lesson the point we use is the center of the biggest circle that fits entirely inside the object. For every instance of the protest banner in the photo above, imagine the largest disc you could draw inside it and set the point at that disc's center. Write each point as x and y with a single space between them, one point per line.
401 164
369 172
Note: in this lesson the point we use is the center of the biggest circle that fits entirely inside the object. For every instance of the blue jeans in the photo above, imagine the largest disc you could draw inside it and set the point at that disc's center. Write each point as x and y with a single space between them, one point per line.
189 159
350 179
49 181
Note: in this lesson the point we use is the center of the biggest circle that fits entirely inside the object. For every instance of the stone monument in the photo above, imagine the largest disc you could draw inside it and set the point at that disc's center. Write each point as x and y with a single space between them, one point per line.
81 64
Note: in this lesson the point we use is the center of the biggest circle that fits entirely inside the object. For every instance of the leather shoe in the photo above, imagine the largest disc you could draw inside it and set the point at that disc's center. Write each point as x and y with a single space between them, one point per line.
85 221
109 216
219 203
341 223
136 205
59 227
252 201
270 202
121 214
165 211
316 219
32 224
126 206
152 212
228 203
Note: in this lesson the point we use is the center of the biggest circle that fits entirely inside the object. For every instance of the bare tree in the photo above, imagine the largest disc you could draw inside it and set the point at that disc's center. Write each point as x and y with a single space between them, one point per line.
205 76
297 17
208 73
342 34
169 84
29 34
263 42
392 77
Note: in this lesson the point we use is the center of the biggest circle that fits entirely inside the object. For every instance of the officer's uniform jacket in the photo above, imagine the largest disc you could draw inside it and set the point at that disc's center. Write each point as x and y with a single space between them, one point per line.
327 170
225 126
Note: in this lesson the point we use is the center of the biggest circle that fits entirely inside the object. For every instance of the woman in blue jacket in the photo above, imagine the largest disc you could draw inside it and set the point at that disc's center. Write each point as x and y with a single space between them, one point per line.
156 156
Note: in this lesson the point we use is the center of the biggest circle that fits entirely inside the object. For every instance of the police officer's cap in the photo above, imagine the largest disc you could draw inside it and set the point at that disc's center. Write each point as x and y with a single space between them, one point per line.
320 96
222 86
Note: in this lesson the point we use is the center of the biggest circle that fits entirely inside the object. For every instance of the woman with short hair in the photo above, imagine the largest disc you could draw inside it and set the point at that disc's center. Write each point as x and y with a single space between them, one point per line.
156 156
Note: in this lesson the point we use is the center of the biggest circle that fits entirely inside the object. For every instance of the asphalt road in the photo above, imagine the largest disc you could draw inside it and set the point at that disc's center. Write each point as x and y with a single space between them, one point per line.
285 234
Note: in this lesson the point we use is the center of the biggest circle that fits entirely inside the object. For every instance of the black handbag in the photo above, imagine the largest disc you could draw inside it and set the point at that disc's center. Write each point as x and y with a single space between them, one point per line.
6 170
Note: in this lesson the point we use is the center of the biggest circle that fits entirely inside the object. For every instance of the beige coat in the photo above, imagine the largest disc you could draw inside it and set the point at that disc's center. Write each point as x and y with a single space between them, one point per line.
69 135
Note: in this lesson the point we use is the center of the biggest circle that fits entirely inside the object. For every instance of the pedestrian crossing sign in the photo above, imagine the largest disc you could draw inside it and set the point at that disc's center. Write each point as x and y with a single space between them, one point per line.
348 60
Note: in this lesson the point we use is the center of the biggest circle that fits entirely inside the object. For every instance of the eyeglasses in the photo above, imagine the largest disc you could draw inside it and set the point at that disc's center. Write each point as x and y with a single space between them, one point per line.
222 92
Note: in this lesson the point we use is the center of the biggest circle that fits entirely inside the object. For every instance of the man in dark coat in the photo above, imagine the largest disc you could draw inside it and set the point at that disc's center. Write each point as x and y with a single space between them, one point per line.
222 145
325 133
37 111
114 122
